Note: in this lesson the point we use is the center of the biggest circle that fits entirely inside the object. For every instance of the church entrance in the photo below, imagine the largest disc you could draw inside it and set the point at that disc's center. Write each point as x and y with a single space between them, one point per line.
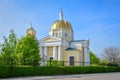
71 60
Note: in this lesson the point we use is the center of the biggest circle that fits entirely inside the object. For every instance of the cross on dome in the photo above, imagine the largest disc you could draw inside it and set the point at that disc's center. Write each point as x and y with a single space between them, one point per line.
61 15
31 25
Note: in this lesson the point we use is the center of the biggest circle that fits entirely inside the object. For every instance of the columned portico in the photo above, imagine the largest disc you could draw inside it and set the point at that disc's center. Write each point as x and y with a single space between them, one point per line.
57 53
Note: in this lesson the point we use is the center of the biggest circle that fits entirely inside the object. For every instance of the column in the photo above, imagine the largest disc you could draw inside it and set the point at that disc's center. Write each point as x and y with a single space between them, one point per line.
54 53
61 31
59 53
80 60
86 56
41 55
41 52
45 53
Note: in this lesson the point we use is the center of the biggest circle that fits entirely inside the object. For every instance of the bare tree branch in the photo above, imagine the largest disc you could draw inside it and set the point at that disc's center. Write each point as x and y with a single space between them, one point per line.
112 54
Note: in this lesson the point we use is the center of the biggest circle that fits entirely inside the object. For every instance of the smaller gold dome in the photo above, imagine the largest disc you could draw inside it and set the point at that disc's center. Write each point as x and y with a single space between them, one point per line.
61 24
31 31
31 28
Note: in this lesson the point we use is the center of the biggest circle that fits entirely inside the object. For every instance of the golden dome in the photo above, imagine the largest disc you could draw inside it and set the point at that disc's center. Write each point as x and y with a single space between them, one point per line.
61 24
31 31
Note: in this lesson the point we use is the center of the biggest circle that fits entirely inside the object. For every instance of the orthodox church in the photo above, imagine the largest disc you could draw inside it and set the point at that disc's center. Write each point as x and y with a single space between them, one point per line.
60 45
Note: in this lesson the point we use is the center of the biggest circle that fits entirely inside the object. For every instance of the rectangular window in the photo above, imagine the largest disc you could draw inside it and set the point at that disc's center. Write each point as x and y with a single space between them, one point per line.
59 34
65 34
53 34
56 34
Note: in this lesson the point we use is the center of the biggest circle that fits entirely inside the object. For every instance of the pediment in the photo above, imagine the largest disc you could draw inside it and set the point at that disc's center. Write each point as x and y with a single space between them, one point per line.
49 39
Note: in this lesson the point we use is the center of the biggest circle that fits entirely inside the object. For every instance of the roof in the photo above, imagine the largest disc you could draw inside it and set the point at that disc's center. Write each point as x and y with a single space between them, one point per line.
61 24
70 48
78 40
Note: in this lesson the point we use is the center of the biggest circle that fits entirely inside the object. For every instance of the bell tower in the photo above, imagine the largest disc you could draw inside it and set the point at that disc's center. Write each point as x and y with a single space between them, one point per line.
31 31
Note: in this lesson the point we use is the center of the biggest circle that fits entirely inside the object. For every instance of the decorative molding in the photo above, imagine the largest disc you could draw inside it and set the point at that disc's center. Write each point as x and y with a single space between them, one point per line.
47 37
55 43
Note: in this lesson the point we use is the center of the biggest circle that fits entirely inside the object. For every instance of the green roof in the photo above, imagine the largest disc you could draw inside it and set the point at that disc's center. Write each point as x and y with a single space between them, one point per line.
70 49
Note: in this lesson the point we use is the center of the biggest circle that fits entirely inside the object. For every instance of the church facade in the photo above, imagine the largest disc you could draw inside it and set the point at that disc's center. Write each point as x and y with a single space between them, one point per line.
60 45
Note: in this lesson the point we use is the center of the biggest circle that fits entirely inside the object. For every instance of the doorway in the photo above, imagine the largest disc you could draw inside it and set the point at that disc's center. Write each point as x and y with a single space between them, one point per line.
71 58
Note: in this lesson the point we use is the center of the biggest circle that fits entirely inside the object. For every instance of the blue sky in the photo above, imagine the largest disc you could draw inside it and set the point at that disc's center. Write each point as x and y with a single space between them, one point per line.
98 20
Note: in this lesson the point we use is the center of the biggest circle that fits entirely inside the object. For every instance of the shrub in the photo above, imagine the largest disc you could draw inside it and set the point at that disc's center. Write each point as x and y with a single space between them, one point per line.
7 71
54 63
111 64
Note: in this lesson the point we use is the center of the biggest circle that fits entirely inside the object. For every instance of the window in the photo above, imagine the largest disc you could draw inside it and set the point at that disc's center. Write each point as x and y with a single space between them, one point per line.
56 34
53 34
65 34
59 34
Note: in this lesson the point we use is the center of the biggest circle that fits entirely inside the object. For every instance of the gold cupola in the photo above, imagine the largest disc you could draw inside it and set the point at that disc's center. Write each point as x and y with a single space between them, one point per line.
62 29
31 31
61 24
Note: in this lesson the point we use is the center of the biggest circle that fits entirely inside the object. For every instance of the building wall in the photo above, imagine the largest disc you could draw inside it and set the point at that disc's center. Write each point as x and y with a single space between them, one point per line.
78 56
61 34
69 35
79 53
76 44
74 53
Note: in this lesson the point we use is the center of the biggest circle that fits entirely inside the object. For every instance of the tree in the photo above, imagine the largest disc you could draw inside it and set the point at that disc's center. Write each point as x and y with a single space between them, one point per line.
112 54
27 51
93 58
8 48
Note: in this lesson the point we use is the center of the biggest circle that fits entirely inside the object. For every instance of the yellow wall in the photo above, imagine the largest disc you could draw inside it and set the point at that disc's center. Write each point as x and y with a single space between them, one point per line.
68 38
50 52
78 55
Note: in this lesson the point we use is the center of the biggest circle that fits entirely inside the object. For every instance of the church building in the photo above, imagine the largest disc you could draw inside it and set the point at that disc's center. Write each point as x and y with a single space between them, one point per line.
60 45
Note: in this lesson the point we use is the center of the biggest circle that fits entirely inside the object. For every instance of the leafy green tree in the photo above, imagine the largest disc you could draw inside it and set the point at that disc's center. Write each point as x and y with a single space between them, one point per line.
8 48
27 51
93 58
103 62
